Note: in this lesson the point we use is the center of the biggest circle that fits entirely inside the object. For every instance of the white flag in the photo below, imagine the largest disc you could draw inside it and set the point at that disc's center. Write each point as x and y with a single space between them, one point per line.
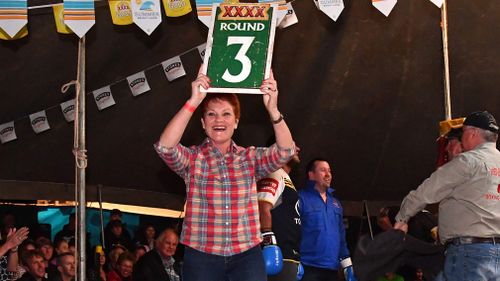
384 6
201 50
290 18
39 122
7 132
173 68
103 98
68 110
138 83
331 8
146 14
438 3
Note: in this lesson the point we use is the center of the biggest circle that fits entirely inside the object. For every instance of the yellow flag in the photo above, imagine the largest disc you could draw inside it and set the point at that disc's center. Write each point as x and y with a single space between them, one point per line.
59 19
176 8
22 33
121 12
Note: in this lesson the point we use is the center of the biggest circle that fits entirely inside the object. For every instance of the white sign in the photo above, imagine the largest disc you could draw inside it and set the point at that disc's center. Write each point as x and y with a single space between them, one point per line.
438 3
39 122
138 83
146 14
7 132
384 6
332 8
290 18
68 110
103 98
173 68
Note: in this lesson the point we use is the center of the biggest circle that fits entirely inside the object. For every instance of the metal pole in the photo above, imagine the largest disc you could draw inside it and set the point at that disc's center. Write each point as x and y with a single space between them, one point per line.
81 163
444 30
368 218
101 217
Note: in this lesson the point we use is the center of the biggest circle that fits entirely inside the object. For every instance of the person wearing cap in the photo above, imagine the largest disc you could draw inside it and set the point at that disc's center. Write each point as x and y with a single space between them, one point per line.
453 143
468 191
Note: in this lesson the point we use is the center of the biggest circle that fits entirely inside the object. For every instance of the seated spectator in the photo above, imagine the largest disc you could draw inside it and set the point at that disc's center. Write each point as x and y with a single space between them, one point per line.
72 246
159 264
113 256
35 266
139 251
61 247
146 237
124 268
26 246
9 258
97 272
117 236
116 215
45 246
66 267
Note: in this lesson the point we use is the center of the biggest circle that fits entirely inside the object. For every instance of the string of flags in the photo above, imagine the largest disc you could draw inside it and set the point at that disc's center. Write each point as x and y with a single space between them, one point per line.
103 97
78 16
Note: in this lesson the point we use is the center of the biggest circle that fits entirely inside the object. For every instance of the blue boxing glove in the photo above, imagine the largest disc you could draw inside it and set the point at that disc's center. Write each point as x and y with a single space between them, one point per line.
273 258
300 271
346 264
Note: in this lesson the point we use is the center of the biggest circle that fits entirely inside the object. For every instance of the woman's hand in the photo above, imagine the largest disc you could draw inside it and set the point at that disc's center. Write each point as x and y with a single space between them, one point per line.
269 88
197 95
16 237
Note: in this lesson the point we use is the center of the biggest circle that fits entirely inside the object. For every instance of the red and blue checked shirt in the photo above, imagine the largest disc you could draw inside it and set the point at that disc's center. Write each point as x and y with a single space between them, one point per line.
222 215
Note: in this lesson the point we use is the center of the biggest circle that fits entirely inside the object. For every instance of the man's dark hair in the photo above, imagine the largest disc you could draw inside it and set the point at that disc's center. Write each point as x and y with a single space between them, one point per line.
61 256
311 165
30 254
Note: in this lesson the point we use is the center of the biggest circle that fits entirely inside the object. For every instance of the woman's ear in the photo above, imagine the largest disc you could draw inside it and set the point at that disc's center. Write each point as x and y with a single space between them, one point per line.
236 125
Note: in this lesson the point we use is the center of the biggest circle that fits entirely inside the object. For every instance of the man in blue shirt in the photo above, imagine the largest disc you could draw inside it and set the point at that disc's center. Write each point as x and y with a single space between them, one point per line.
323 247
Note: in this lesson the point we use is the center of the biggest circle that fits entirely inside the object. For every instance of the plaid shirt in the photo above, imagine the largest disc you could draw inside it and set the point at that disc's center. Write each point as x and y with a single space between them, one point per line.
222 215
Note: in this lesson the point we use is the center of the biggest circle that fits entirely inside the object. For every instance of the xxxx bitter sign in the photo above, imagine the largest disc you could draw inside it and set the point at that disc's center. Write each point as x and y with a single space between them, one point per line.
240 47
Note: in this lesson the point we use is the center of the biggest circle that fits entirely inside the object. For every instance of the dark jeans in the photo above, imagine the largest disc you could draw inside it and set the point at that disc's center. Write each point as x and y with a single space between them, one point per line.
246 266
319 274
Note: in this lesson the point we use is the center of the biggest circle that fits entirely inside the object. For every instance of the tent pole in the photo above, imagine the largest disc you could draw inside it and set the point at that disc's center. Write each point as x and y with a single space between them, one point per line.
444 30
81 162
100 215
367 212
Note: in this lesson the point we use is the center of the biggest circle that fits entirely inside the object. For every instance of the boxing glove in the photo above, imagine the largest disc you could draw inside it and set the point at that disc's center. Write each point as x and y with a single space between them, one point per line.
273 258
300 271
346 264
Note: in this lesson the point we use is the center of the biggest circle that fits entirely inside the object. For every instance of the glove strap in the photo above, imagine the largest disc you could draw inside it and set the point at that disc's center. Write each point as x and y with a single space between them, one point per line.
346 262
269 238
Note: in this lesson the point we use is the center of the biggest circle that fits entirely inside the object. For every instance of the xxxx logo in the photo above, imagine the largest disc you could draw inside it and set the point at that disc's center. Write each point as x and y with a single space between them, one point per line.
246 12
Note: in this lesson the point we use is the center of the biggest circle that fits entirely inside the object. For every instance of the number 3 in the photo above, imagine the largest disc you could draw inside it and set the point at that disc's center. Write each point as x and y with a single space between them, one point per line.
246 42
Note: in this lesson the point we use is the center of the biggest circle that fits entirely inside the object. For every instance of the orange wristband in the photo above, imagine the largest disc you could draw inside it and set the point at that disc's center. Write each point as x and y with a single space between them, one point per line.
189 107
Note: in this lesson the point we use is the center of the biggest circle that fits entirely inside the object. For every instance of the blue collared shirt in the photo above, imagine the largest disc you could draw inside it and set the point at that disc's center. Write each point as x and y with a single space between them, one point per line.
323 234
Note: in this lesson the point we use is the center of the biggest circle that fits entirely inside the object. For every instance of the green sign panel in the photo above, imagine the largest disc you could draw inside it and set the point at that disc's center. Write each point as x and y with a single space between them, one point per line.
239 47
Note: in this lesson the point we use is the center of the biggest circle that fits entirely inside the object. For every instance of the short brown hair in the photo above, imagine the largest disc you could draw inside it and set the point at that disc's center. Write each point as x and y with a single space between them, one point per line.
232 99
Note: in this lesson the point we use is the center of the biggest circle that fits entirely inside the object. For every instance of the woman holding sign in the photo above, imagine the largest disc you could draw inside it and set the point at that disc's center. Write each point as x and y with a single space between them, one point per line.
221 226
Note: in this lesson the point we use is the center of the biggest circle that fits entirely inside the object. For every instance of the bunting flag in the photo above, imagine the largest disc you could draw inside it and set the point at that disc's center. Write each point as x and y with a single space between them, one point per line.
21 34
173 68
68 110
177 8
146 14
290 18
13 16
103 97
121 12
61 27
79 15
384 6
438 3
201 50
39 122
332 8
138 83
7 132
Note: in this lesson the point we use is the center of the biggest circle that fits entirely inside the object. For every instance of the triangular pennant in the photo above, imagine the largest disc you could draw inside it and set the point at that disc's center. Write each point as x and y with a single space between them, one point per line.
176 8
13 16
281 11
146 14
204 10
121 12
79 15
61 27
384 6
173 68
290 18
103 98
21 34
68 110
7 132
201 50
39 122
138 83
332 8
438 3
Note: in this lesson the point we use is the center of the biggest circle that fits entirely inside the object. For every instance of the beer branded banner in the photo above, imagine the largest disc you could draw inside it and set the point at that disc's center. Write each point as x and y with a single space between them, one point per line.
176 8
138 83
79 15
61 27
39 122
438 3
290 18
13 16
201 50
146 14
384 6
173 68
103 98
21 34
68 110
332 8
240 47
121 12
7 132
